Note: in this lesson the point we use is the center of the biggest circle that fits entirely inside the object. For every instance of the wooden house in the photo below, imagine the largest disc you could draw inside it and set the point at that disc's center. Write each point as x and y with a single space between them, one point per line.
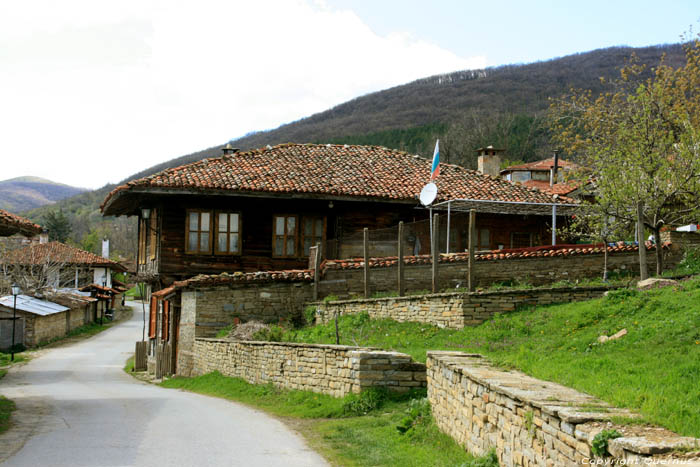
263 209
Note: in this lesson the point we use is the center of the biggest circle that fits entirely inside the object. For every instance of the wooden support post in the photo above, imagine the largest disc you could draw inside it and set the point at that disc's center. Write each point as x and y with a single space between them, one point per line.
140 356
365 245
399 262
643 273
472 247
435 253
317 269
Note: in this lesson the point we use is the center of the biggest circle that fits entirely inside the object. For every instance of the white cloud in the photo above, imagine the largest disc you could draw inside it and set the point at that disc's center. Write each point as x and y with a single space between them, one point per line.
95 91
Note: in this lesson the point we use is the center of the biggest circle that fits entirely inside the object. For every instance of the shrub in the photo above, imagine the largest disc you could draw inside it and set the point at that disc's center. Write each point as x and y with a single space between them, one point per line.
272 334
368 400
599 447
418 411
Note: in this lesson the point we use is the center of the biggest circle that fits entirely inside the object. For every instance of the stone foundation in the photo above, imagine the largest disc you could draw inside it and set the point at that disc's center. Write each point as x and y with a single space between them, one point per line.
336 370
455 310
530 422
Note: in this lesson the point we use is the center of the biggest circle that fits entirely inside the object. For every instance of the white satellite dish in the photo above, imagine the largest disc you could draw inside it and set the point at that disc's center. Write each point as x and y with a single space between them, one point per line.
428 194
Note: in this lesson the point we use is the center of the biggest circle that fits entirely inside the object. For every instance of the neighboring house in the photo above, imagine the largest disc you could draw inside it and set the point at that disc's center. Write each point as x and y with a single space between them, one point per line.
56 265
17 230
539 175
262 209
43 319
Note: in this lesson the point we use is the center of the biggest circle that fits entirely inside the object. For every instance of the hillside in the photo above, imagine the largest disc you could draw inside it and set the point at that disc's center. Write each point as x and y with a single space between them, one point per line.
502 105
24 193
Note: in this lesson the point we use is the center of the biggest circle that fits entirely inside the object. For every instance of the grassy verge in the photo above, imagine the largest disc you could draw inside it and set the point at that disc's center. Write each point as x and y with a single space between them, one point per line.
358 430
6 408
654 369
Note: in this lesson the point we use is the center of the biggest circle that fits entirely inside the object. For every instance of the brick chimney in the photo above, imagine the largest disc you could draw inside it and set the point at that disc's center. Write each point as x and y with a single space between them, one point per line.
228 149
489 161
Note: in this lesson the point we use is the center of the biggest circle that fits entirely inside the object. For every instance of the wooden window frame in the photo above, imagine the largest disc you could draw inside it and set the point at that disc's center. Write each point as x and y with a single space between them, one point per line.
153 233
296 235
216 234
153 318
142 241
199 223
303 237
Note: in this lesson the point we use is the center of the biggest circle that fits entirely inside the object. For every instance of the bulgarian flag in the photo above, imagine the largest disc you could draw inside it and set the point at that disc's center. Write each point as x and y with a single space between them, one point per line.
435 170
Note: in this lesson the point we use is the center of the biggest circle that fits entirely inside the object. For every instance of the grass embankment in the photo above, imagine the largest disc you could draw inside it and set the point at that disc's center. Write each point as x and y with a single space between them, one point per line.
654 369
6 408
376 428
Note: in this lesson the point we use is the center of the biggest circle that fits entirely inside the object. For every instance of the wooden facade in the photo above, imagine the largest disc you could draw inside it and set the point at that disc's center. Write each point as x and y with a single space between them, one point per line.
184 235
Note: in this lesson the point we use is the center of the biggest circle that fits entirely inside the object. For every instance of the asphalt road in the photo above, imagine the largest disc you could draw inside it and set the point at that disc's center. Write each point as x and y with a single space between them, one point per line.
76 407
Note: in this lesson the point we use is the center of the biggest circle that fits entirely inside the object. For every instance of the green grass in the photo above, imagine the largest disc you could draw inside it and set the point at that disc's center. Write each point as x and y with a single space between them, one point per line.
336 430
654 369
129 365
6 408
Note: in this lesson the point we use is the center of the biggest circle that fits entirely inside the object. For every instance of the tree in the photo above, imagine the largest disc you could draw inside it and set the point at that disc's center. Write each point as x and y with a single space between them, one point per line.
641 141
58 226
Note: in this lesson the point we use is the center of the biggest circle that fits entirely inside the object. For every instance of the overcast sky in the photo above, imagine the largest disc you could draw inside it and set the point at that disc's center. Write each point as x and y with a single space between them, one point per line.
93 91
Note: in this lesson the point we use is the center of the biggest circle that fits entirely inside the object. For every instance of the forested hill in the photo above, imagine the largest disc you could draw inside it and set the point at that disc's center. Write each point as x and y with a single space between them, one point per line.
411 115
24 193
503 106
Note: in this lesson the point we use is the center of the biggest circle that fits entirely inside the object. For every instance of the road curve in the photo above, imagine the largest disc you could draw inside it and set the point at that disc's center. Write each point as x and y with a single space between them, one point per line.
77 407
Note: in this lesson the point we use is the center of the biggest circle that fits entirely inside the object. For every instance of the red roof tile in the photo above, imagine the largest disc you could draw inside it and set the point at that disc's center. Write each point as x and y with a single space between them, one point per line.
544 165
330 171
493 255
204 280
11 224
56 252
561 189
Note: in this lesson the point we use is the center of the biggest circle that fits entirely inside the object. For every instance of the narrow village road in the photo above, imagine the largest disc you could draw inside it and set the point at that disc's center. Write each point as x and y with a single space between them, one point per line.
77 408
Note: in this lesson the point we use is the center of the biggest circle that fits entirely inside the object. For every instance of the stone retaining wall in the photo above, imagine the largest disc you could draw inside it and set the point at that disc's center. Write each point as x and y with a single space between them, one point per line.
528 421
455 310
336 370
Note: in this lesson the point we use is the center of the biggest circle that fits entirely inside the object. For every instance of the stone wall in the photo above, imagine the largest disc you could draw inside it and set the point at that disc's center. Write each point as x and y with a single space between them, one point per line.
330 369
534 270
455 310
681 240
529 421
205 311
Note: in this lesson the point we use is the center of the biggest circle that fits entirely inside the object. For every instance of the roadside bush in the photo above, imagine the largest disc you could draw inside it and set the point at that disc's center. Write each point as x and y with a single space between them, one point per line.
418 412
365 402
273 333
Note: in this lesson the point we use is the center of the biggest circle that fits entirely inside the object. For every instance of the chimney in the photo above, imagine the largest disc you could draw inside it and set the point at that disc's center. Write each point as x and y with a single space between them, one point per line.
105 248
489 161
44 236
228 149
555 168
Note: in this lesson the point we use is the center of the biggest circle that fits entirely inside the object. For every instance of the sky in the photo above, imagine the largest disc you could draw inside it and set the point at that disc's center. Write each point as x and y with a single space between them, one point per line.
92 91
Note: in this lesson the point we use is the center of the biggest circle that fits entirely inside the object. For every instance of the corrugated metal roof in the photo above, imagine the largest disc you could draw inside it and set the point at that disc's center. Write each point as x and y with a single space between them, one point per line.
33 305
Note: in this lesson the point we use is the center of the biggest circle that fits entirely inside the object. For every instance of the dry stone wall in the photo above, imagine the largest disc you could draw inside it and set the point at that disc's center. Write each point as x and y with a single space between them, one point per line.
527 421
204 311
455 310
330 369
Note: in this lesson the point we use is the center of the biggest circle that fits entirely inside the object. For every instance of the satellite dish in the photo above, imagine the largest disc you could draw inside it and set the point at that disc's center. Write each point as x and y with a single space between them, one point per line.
428 194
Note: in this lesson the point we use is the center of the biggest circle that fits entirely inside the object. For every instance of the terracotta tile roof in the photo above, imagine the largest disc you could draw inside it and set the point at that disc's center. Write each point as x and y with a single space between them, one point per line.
325 170
492 255
11 224
544 165
204 280
57 252
561 189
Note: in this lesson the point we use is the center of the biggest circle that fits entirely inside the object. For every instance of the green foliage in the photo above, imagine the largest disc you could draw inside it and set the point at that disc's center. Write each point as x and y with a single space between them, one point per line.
417 412
58 225
368 400
5 358
599 446
310 315
224 332
690 264
330 298
274 333
6 408
640 371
